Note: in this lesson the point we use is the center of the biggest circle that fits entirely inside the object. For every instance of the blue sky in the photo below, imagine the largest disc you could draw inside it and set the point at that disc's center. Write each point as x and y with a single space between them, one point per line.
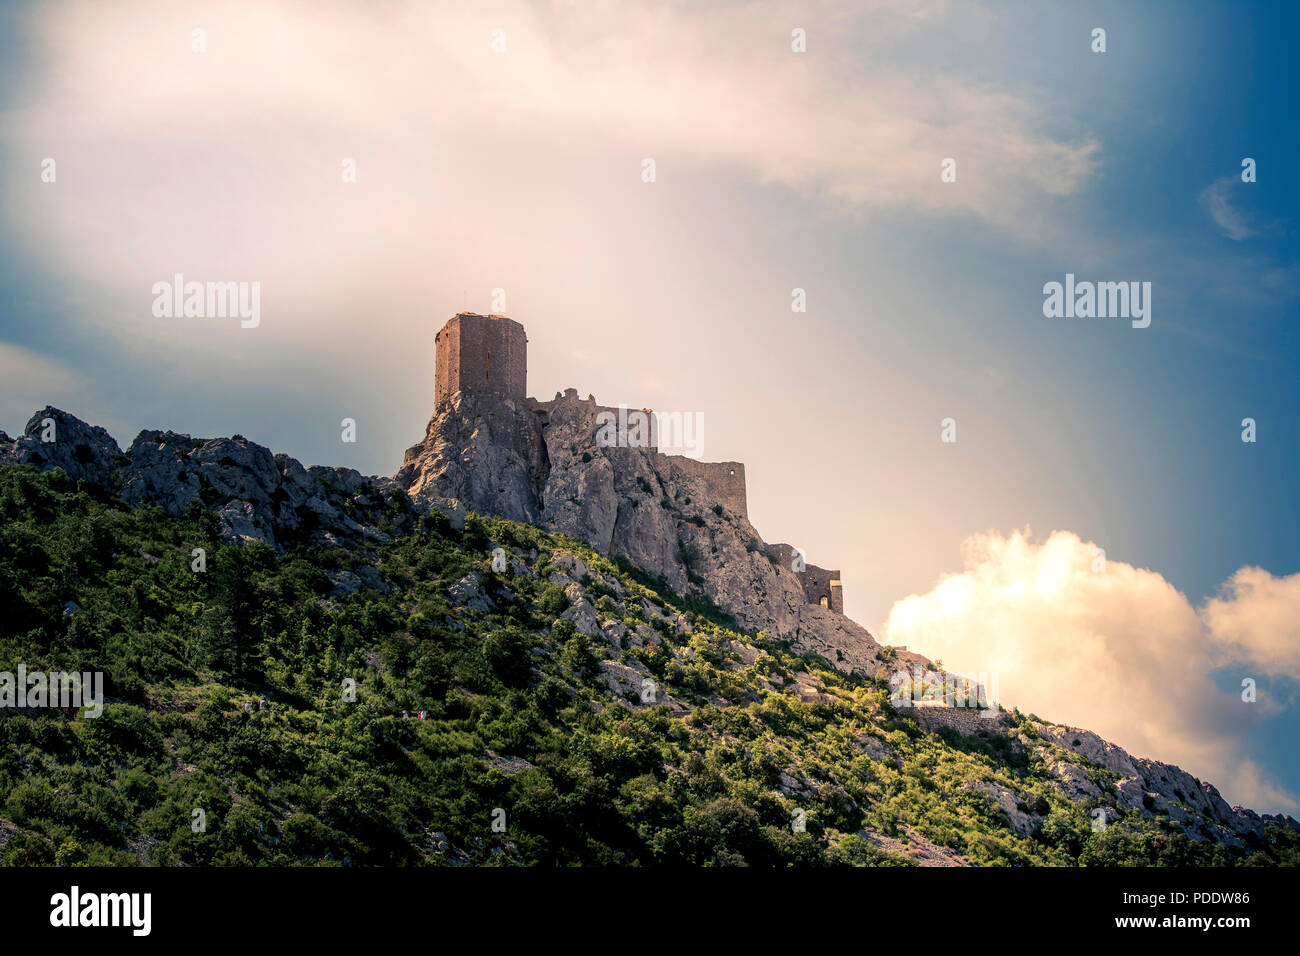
776 170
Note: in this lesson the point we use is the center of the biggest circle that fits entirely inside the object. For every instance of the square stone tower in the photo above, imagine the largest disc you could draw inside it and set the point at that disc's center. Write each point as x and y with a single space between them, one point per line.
480 353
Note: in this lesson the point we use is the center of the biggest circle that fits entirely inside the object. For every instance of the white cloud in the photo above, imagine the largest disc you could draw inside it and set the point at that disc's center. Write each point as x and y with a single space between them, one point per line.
166 151
1217 199
1118 651
1256 620
1250 786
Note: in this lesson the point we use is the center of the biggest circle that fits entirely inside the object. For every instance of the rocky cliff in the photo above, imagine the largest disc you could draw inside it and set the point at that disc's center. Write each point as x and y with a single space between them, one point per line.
544 466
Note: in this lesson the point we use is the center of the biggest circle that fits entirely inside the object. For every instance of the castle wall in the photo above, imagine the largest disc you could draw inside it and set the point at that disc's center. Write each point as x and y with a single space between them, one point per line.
817 582
820 583
782 555
965 720
488 353
725 479
635 430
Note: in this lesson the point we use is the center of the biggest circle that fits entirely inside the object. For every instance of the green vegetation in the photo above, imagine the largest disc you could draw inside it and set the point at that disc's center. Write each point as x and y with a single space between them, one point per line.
519 715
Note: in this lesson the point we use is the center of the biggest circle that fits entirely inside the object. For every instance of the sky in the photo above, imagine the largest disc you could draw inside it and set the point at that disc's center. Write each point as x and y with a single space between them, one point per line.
515 161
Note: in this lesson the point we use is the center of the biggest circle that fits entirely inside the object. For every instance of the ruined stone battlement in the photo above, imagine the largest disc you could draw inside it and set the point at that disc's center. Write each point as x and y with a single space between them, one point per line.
648 437
822 586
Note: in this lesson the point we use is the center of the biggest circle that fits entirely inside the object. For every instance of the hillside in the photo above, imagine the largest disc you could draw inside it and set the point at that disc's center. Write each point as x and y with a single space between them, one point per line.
532 682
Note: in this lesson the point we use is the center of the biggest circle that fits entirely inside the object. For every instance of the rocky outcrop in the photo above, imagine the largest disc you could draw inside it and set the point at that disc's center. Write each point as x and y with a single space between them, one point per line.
469 592
256 495
543 465
1024 824
55 439
158 474
581 611
845 643
481 453
1152 787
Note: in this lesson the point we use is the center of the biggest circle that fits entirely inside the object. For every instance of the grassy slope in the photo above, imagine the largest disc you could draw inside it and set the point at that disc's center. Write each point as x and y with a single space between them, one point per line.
314 779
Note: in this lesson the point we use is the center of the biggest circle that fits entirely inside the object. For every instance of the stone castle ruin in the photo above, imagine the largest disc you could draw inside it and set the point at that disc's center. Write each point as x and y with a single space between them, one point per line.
820 585
487 355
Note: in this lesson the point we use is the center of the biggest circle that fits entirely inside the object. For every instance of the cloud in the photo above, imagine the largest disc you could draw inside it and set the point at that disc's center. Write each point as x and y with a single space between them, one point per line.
1250 787
1256 620
1116 649
1217 199
245 139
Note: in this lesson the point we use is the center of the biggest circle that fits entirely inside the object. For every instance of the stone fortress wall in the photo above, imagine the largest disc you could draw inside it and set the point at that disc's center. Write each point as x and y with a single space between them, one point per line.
543 409
965 720
822 586
489 353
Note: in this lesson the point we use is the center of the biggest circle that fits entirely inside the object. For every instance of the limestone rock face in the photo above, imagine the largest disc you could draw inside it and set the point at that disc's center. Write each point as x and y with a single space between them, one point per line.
257 496
55 439
580 497
468 591
843 642
850 647
157 472
575 568
545 466
1092 748
581 611
1153 787
1022 823
483 452
1074 779
240 521
243 471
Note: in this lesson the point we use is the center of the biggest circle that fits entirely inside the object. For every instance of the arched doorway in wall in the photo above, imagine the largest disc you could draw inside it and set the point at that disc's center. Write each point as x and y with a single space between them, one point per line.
825 601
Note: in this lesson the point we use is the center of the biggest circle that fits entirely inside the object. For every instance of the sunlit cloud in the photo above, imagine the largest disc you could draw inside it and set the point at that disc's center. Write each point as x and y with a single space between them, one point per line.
1090 642
1256 620
215 160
